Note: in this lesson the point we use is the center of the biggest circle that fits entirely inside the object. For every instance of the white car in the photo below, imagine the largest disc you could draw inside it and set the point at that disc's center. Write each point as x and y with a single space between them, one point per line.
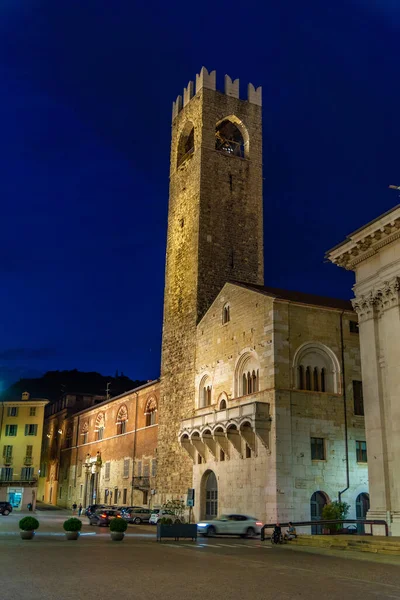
163 512
232 524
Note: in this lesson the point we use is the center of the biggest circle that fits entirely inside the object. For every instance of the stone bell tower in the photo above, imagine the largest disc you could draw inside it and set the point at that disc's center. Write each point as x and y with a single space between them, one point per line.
215 234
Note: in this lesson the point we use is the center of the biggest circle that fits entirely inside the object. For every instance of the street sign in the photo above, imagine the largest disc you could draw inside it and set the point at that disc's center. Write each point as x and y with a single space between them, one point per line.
190 497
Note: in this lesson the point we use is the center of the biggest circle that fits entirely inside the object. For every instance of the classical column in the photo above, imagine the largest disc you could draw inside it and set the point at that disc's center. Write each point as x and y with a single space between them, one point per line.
379 327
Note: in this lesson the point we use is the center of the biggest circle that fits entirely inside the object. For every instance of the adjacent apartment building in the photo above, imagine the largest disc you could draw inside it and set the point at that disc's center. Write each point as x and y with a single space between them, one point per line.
21 429
106 453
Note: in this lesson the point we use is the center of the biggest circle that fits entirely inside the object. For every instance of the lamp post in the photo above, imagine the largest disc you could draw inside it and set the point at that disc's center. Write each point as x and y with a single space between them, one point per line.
87 466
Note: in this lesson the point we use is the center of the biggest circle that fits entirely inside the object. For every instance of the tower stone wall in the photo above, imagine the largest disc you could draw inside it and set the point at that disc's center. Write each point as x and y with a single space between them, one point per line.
215 233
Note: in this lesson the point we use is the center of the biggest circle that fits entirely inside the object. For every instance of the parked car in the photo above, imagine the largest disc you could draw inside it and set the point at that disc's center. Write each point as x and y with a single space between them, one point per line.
137 515
93 507
5 508
103 516
231 524
128 508
160 513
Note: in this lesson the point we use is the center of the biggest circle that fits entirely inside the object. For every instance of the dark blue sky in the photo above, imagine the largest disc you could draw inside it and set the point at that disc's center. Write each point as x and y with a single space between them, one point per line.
86 93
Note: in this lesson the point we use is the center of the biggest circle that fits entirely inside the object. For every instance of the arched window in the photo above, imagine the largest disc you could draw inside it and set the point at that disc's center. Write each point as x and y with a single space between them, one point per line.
247 379
85 432
229 137
205 391
319 365
99 426
122 418
186 144
226 314
222 404
151 411
300 369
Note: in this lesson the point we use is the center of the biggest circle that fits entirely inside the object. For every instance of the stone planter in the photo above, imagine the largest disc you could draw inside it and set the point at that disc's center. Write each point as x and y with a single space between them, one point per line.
177 531
72 535
117 536
27 535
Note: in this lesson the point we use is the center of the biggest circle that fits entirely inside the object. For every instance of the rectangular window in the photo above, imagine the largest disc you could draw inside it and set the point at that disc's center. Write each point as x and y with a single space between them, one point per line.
32 411
353 326
361 451
124 497
317 449
29 451
153 467
139 468
100 433
85 438
146 469
11 430
31 429
107 470
126 467
12 411
121 427
27 473
145 497
60 492
6 474
80 491
7 451
358 398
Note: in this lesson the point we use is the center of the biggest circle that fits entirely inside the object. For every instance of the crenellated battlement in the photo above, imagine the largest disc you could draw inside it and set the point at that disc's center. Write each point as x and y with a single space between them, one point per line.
204 79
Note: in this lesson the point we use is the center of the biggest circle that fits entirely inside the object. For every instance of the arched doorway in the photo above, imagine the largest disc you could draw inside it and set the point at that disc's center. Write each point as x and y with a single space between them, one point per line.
210 495
362 507
317 503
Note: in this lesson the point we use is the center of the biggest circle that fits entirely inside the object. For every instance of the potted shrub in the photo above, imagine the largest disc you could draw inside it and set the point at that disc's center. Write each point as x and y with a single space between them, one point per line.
333 512
118 527
28 525
72 528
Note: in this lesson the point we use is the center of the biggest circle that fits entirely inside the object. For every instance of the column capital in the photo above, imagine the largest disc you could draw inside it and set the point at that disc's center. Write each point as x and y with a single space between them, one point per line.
381 298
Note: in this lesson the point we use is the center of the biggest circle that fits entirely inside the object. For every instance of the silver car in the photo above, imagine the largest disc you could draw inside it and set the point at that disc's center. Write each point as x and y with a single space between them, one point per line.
137 515
232 524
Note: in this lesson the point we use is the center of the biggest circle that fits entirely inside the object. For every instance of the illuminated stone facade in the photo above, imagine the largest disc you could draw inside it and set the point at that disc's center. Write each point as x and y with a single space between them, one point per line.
373 253
258 441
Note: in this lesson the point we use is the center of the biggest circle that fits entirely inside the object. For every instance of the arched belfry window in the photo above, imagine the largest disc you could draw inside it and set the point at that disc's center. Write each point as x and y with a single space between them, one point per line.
99 426
316 368
186 144
231 137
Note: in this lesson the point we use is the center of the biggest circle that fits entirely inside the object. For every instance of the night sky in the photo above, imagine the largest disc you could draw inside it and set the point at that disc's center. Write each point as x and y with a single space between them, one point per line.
86 94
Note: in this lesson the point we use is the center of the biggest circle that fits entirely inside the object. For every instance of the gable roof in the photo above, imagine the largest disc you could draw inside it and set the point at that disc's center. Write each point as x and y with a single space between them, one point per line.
298 297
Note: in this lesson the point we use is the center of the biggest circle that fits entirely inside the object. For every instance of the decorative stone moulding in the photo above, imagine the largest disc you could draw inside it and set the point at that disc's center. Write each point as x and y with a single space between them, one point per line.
378 300
366 242
207 80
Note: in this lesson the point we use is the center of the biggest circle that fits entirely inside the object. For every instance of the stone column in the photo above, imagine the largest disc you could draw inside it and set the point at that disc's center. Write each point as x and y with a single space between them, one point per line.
379 326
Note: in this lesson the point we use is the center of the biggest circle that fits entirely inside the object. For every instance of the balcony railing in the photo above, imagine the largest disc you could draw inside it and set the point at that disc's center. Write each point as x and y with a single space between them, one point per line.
8 461
17 479
141 483
28 460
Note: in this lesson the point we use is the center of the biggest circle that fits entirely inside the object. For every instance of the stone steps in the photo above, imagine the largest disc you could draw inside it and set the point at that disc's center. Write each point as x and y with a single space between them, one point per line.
375 544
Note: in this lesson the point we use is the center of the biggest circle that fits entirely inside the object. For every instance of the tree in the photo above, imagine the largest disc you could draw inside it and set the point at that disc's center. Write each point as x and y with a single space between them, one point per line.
177 506
334 511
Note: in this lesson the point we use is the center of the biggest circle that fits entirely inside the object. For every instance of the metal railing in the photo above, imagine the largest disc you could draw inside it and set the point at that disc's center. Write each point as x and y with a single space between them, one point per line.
28 460
330 522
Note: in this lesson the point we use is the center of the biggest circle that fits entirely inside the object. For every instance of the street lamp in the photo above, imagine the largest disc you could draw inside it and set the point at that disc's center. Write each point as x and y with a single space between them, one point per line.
87 466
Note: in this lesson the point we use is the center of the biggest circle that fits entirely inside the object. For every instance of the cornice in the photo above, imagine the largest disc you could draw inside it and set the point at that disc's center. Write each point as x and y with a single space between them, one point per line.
367 241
